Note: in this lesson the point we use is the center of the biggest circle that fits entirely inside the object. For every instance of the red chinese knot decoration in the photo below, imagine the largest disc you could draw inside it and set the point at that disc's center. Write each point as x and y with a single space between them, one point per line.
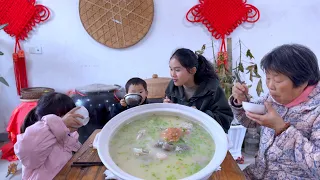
21 16
221 17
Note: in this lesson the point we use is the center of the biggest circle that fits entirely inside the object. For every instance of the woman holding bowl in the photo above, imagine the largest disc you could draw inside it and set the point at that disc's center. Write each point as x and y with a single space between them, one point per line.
290 129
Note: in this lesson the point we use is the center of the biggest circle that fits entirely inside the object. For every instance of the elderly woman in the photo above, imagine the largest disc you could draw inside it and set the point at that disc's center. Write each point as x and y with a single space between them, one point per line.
290 130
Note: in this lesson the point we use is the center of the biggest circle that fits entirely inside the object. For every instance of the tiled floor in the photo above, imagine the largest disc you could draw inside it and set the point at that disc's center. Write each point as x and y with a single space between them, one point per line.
4 170
248 159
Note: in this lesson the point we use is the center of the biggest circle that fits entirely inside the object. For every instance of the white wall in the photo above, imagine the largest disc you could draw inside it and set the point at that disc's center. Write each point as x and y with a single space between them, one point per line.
71 58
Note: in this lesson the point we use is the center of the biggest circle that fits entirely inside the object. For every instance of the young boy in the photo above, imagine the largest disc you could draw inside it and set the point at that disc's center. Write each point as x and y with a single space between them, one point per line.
134 85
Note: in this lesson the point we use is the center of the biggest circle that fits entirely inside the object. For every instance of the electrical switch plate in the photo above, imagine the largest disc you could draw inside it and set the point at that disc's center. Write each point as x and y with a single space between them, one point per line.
35 50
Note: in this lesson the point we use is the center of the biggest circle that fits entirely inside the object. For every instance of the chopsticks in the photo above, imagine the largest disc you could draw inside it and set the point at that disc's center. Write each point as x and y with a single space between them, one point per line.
86 164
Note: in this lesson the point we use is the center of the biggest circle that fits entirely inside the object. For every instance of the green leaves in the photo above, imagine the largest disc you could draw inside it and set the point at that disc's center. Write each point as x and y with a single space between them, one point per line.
253 70
200 52
249 54
3 26
259 88
240 67
2 80
245 65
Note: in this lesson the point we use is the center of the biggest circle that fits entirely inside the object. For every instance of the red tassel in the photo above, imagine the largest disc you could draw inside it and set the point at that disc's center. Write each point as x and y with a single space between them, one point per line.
16 71
223 59
221 17
22 70
22 16
223 55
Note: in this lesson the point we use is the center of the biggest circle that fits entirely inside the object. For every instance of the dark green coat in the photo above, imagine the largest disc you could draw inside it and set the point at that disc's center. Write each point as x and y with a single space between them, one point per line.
208 98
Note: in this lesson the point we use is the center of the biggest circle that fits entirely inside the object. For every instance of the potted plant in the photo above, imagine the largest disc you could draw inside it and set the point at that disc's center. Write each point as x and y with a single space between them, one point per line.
245 65
2 80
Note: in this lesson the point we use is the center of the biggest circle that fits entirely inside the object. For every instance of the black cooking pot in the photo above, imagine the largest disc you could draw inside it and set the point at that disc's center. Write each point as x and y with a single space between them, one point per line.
98 99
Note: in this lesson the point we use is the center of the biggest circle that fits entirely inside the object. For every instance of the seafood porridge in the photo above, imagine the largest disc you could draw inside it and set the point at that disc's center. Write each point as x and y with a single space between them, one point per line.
162 147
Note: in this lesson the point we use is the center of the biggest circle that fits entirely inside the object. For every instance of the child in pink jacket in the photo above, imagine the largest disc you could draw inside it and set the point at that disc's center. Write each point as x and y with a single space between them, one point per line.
48 137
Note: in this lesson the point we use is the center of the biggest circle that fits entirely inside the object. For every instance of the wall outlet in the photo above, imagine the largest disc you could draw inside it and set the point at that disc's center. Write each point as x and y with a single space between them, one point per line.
35 50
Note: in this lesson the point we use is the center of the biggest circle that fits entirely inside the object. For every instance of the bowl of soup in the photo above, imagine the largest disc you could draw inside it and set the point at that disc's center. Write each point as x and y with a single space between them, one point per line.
254 108
162 141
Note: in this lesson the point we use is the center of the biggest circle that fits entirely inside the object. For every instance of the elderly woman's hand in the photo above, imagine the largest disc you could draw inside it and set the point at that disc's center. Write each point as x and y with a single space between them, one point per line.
239 91
271 119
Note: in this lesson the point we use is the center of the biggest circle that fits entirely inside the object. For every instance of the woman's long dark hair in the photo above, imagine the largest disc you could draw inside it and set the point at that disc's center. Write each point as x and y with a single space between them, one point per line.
50 103
188 59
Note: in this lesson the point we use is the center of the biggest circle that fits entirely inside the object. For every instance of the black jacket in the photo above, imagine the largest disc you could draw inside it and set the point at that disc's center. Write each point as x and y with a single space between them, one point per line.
209 98
117 108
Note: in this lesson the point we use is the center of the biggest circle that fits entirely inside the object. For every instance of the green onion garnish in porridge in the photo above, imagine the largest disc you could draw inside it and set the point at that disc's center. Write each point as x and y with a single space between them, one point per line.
162 147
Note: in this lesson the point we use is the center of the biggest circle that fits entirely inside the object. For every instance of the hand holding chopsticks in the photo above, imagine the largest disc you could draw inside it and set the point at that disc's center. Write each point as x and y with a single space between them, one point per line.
241 90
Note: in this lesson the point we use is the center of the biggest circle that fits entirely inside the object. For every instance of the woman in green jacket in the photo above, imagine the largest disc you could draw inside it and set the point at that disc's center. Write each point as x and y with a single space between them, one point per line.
194 83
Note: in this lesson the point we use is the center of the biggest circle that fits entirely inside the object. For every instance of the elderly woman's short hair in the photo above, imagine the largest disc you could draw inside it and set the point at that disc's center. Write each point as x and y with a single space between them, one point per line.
296 61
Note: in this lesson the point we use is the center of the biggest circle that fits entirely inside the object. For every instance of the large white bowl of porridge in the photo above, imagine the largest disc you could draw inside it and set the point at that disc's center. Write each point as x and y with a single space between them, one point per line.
162 141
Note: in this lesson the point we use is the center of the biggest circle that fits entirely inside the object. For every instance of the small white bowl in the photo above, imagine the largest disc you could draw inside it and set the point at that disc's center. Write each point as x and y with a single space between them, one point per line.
85 113
254 108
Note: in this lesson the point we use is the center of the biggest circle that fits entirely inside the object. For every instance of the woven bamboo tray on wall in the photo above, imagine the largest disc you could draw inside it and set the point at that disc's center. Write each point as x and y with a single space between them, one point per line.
117 23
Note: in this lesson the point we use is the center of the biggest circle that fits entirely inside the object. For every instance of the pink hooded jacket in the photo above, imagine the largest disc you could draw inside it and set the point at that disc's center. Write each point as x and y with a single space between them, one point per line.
45 148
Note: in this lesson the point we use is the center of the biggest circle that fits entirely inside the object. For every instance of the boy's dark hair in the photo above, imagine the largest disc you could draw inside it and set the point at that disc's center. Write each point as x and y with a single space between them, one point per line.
136 81
50 103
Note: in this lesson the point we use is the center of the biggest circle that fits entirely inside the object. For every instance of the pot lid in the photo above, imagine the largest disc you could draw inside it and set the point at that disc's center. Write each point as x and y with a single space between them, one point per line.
155 79
34 92
97 88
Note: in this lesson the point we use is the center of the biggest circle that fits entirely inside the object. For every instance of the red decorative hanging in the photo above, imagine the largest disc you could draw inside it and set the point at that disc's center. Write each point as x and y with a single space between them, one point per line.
13 128
21 16
221 17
